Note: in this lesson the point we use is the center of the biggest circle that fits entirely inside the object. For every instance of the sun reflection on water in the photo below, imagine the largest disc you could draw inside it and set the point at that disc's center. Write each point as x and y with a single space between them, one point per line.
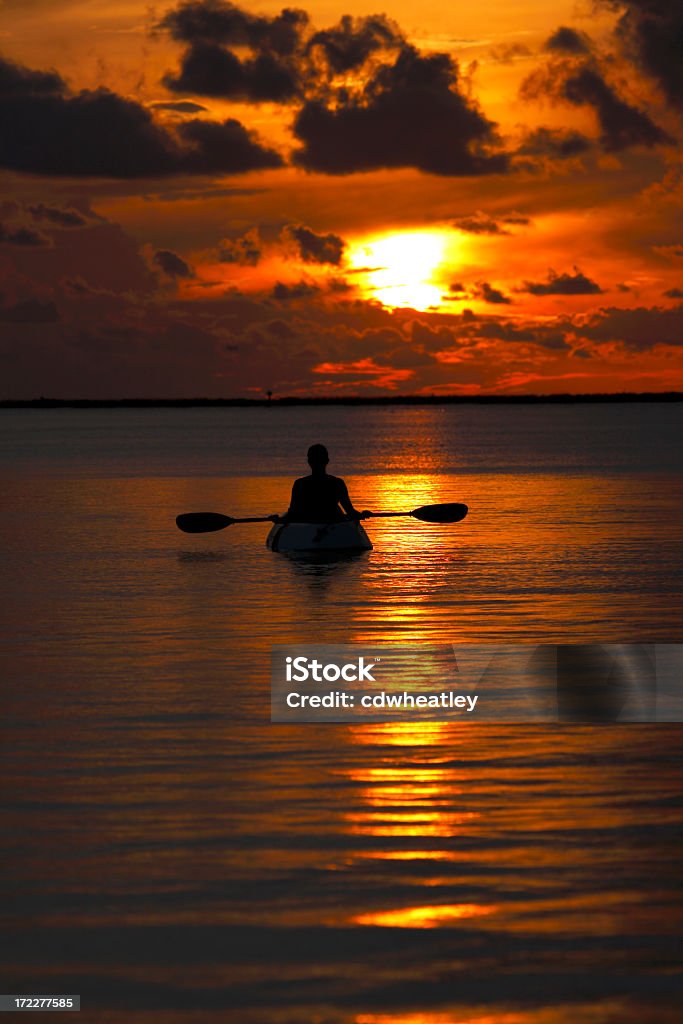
430 916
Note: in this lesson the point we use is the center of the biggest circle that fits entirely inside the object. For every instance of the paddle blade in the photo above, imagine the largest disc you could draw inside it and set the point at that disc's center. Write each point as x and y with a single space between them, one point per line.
202 522
451 513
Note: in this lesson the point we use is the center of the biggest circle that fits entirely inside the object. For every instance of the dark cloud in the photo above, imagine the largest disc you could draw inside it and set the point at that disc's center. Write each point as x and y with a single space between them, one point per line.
483 224
652 33
563 284
555 143
338 285
300 290
504 330
100 134
456 288
674 293
673 252
314 248
171 264
19 234
17 81
180 106
488 293
245 251
213 29
509 52
582 84
638 329
219 21
408 114
279 329
567 40
223 146
285 59
62 218
622 125
348 45
29 311
212 70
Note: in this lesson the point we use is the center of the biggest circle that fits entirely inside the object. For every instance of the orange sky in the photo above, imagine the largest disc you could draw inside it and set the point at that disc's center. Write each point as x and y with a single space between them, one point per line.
208 199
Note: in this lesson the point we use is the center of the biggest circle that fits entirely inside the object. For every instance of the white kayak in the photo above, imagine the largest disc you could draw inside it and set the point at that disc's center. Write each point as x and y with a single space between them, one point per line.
347 535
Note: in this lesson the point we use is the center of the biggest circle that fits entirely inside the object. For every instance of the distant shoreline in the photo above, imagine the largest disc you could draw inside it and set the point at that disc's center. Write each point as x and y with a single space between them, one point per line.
350 400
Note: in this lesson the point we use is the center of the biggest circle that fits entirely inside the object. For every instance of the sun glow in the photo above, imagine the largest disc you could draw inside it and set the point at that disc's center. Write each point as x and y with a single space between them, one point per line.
398 269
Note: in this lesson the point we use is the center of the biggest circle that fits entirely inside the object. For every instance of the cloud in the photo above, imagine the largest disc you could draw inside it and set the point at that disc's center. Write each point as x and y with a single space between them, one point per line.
556 143
179 106
300 290
553 340
507 53
245 251
222 22
408 114
637 329
567 40
490 294
223 146
563 284
17 81
47 130
669 252
652 34
314 248
62 218
385 376
212 70
483 224
171 264
19 234
348 44
279 329
582 84
29 311
284 59
213 29
673 293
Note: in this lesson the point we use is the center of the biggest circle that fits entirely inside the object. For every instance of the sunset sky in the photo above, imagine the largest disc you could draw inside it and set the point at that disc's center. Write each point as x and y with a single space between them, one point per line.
204 199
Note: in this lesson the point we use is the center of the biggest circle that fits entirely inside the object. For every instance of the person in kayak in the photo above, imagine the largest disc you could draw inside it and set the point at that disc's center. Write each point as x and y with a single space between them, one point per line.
319 497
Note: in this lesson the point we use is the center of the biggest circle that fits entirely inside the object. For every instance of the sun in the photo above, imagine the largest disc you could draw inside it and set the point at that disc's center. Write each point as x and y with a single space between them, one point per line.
398 269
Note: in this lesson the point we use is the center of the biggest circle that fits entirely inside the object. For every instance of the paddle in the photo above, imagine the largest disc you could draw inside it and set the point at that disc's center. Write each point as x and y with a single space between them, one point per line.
453 512
207 522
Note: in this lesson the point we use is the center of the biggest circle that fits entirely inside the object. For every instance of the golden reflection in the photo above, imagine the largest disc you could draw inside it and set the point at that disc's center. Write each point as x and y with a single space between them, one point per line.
436 825
408 734
413 564
409 797
430 916
438 1017
399 268
444 855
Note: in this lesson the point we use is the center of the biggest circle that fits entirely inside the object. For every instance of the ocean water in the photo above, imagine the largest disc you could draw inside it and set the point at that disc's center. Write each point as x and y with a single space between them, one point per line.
170 853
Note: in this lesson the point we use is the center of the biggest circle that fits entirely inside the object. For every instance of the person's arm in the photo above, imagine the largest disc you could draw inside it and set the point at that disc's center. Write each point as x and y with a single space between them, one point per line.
290 514
347 504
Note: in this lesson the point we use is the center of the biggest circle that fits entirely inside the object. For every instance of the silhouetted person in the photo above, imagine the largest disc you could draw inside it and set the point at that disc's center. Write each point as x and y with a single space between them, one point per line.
320 497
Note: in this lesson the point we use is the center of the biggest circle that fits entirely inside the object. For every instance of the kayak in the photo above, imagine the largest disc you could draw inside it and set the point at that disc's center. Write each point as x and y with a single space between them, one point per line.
347 535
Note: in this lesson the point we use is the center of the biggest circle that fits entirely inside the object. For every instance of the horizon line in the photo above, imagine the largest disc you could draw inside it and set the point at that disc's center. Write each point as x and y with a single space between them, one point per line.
293 400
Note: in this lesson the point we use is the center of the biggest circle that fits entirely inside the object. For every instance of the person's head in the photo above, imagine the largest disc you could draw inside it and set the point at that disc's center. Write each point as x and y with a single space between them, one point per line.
317 456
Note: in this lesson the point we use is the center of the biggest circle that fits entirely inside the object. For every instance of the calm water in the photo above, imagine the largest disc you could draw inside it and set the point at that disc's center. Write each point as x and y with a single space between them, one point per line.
171 852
